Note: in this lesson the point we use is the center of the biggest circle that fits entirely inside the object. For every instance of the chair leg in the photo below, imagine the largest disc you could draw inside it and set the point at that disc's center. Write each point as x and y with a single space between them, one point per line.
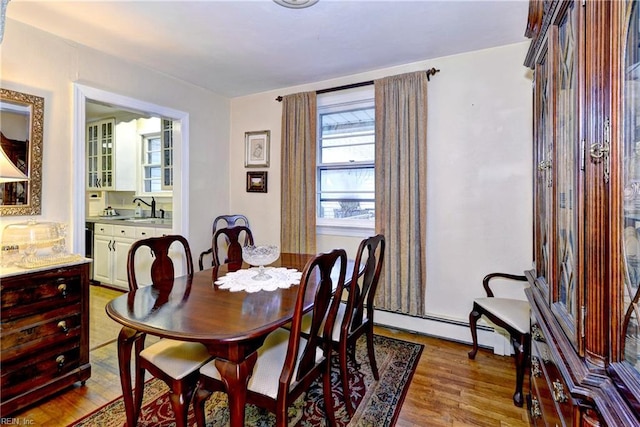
199 398
521 347
180 397
328 398
372 354
344 375
282 418
473 320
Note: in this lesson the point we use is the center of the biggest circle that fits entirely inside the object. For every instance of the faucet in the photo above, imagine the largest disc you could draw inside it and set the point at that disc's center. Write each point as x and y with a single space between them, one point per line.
152 205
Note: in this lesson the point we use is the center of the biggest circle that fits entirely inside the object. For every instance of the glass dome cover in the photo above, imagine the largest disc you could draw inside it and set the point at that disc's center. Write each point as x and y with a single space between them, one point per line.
31 243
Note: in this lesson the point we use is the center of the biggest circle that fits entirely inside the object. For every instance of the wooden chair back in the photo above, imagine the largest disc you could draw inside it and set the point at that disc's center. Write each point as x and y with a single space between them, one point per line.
226 244
323 316
364 283
222 221
162 267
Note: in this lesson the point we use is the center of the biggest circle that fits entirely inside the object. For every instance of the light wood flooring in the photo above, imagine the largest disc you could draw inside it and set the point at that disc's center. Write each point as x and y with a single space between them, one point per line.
447 389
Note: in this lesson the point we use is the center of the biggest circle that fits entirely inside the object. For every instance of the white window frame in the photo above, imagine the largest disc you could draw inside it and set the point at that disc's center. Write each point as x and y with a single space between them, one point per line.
144 165
362 97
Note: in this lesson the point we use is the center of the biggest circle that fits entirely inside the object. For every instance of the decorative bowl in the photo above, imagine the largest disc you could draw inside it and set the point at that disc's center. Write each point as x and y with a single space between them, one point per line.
259 256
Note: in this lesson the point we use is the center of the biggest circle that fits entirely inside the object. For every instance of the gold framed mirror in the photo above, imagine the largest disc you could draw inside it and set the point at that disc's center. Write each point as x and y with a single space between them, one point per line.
21 123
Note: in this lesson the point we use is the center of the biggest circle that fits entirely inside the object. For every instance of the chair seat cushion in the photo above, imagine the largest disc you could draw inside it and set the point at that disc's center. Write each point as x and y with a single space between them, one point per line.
176 358
515 313
266 372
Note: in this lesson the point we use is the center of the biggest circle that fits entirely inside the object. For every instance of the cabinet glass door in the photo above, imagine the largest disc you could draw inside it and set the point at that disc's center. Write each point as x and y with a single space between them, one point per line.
544 177
566 166
631 196
93 177
106 143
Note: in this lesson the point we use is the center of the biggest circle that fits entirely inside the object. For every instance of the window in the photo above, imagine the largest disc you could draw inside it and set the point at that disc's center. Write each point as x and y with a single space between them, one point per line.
151 166
157 158
346 155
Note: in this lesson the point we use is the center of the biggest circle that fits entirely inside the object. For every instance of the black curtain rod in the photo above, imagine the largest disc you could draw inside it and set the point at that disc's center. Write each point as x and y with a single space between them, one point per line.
429 72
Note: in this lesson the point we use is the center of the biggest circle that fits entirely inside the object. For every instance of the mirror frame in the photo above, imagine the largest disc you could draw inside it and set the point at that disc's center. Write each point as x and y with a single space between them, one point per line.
34 193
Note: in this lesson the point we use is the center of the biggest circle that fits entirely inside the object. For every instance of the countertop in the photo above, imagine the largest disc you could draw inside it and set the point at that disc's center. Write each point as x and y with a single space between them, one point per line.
14 270
130 220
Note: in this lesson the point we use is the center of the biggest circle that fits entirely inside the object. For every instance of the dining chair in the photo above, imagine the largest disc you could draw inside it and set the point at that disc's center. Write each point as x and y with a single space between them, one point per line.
355 315
174 362
219 222
226 244
288 362
514 316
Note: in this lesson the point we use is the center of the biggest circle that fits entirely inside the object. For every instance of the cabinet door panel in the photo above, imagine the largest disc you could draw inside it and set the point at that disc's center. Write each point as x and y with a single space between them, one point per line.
544 178
120 253
567 155
102 258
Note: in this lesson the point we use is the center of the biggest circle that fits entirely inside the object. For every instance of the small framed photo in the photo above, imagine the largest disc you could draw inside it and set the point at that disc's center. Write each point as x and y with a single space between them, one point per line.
256 150
256 182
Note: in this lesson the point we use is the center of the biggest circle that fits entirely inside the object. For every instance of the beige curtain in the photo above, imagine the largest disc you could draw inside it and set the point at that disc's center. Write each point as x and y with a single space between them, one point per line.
298 230
401 168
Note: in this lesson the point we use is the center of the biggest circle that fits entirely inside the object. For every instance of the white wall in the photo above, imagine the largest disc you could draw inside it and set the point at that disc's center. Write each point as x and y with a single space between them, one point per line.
479 156
479 176
38 63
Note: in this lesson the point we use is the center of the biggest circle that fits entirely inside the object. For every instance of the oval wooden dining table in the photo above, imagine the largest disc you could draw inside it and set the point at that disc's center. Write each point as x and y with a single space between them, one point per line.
232 325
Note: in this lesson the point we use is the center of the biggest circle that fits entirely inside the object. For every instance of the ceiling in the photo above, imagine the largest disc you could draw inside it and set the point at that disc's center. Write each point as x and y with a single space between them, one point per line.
241 47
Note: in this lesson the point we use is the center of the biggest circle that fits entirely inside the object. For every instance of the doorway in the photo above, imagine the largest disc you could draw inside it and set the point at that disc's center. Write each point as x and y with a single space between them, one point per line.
85 94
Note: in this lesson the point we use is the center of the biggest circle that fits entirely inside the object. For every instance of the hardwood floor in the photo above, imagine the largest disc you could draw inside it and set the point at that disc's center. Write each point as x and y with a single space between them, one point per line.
447 389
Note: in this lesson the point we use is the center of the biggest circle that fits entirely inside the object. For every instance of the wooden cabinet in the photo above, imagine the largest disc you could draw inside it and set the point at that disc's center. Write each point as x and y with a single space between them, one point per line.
584 293
45 333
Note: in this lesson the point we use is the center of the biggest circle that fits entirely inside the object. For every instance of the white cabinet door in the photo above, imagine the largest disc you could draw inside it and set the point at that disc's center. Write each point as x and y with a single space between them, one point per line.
120 255
102 254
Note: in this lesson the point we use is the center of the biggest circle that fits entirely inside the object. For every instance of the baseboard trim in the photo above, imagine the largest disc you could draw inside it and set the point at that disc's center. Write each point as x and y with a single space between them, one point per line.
489 336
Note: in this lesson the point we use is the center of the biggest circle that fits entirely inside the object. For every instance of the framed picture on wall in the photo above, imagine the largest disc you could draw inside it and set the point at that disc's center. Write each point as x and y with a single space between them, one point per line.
256 182
256 150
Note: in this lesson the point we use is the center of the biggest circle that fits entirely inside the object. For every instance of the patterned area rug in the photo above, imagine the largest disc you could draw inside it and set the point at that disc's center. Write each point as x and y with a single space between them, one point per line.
379 403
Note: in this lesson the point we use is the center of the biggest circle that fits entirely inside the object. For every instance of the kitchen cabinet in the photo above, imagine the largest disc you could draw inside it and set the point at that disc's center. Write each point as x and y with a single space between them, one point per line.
111 246
45 333
111 155
111 249
584 294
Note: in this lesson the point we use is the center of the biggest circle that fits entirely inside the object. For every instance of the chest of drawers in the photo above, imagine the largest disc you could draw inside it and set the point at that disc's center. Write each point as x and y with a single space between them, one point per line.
44 333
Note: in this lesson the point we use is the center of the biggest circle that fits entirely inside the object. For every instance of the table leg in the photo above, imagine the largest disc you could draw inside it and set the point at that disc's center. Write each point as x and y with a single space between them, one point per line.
126 339
235 377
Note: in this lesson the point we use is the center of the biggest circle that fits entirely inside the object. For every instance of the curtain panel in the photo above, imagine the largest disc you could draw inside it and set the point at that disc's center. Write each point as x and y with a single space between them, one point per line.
401 180
298 185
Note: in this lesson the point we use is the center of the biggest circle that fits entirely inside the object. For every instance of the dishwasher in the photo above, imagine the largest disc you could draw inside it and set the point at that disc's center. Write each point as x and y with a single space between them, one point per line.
88 247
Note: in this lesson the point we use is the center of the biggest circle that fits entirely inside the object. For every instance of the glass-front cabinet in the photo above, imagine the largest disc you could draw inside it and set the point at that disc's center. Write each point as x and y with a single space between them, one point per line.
100 150
584 294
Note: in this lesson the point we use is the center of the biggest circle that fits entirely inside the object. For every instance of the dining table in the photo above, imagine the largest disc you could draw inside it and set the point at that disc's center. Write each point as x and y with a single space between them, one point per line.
231 324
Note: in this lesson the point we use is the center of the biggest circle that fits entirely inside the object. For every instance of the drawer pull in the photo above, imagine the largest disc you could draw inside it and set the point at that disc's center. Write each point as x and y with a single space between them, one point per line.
535 408
536 333
62 325
535 367
558 392
62 288
60 360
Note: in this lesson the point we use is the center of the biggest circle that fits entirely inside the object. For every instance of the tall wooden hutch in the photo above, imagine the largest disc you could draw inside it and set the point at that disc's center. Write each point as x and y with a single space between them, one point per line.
585 349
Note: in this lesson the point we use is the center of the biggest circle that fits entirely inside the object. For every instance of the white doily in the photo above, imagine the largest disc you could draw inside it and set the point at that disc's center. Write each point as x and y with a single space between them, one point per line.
243 280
